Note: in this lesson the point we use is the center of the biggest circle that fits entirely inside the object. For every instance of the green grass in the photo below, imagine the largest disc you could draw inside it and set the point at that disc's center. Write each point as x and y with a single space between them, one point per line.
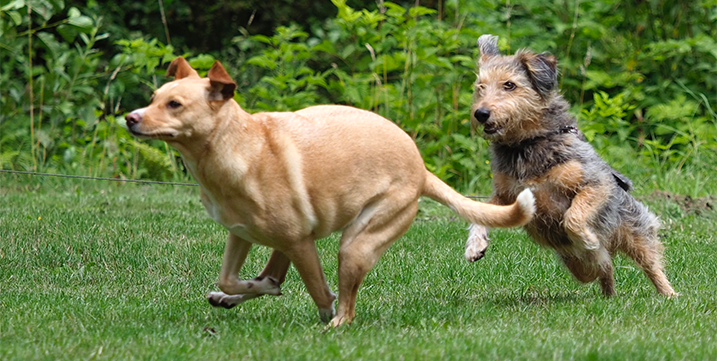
110 271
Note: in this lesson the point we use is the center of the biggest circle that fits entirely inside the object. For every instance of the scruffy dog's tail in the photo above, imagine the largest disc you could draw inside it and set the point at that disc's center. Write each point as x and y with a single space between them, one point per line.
516 214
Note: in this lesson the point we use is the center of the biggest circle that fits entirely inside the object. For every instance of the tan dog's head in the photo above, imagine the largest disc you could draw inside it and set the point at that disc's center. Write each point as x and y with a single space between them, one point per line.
512 92
185 108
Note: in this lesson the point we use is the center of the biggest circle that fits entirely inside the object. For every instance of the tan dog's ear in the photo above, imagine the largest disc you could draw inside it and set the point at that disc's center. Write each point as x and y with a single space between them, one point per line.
179 68
221 82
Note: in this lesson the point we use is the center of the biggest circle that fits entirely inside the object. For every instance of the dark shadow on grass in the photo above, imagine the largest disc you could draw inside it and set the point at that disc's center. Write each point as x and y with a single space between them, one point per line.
535 297
548 297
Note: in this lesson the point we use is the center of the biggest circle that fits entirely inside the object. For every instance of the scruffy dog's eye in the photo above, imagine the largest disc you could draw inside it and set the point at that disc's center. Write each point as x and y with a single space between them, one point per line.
479 87
173 104
509 86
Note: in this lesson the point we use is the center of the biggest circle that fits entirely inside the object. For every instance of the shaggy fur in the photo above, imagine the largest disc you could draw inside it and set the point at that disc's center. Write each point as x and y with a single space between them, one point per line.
583 209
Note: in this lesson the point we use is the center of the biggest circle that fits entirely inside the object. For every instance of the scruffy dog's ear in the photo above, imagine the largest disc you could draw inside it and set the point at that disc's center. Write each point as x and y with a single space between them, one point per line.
179 68
542 69
488 45
222 84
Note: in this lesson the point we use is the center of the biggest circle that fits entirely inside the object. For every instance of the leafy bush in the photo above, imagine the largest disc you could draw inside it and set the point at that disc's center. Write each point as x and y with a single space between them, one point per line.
405 65
60 96
398 62
642 79
48 81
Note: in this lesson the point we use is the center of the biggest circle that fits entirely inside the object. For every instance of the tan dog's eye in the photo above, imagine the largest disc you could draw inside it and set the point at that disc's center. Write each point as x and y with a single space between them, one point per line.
509 86
173 104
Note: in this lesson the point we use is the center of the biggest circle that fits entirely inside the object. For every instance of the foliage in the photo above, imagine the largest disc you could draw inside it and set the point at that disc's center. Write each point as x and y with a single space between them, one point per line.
204 26
58 114
51 90
641 77
287 83
377 60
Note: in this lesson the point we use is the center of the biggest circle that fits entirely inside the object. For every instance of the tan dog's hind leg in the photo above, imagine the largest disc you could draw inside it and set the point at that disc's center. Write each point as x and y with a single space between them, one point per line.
276 267
584 207
236 291
362 244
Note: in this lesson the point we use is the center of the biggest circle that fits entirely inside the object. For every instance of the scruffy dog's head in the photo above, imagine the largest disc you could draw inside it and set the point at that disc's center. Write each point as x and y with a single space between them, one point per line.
514 94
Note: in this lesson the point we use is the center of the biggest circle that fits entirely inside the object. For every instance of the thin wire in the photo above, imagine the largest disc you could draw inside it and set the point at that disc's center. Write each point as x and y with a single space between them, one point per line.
97 178
477 197
131 180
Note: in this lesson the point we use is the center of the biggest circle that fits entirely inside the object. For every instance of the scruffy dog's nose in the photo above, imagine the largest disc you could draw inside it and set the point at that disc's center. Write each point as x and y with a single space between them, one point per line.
132 119
482 115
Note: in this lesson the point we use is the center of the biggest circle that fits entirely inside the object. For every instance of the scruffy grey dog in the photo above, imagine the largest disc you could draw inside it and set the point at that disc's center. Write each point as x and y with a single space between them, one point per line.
583 209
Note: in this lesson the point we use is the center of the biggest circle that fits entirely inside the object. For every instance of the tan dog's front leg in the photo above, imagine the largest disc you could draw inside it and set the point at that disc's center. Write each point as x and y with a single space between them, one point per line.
274 271
236 291
234 256
582 211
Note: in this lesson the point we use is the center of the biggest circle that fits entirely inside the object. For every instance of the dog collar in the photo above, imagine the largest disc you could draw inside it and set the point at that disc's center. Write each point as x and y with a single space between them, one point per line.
566 129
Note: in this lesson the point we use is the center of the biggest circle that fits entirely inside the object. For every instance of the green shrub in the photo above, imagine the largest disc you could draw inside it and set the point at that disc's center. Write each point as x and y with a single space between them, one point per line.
642 80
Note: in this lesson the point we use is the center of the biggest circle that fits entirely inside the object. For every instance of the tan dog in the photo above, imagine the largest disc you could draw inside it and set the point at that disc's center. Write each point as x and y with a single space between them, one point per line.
284 180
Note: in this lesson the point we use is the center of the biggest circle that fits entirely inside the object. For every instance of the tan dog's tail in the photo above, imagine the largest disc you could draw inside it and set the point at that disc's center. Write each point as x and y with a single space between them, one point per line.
516 214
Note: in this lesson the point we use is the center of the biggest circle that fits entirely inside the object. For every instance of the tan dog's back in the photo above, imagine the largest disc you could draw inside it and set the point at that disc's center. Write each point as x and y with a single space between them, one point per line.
373 155
334 150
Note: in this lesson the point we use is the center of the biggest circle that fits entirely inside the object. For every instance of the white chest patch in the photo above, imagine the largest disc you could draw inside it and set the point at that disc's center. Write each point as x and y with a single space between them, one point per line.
240 231
215 212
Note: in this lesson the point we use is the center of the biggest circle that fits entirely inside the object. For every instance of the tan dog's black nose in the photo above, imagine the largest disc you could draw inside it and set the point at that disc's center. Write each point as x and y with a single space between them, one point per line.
482 115
132 118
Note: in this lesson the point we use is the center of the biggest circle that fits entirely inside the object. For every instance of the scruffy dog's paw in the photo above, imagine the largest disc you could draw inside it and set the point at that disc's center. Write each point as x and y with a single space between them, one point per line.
477 243
474 253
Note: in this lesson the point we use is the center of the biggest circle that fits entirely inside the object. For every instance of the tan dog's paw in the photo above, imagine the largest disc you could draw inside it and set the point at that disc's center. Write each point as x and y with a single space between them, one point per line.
336 322
327 315
477 242
221 299
339 320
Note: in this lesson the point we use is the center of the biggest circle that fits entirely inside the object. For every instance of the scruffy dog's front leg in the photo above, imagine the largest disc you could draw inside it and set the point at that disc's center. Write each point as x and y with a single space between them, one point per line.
477 242
582 212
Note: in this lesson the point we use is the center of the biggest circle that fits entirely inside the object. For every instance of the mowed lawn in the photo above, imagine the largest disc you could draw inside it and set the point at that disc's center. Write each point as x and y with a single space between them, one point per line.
108 271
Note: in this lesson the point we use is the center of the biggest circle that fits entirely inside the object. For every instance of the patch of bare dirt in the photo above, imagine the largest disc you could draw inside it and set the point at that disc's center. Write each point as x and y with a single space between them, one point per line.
687 204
